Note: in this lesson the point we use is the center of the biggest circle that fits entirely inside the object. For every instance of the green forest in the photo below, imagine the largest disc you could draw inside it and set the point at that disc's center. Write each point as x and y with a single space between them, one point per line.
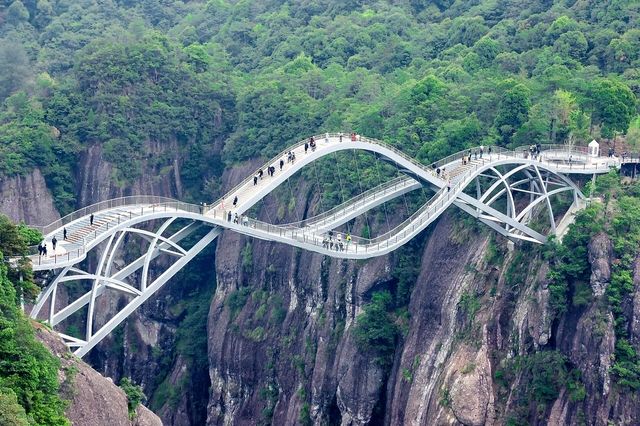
231 80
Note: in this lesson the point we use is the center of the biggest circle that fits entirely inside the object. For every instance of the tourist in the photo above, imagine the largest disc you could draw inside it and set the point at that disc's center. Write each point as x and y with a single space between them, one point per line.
281 163
260 173
229 216
91 219
255 180
235 201
54 241
40 248
64 234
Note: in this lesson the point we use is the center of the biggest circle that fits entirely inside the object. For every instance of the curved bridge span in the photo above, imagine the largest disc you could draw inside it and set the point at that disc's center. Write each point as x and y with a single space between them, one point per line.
499 187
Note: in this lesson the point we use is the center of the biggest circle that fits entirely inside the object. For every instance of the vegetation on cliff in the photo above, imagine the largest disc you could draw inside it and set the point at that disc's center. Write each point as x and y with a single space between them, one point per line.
29 387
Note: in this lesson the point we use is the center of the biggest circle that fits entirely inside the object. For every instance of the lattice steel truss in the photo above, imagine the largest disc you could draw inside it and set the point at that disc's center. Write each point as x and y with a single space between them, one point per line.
127 280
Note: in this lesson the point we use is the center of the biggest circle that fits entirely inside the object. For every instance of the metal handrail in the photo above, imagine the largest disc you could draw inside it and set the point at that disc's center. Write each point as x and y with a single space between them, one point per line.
351 204
102 205
145 199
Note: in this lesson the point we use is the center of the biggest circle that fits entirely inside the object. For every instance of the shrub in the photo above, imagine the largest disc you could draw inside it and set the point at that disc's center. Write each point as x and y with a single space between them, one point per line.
375 330
134 395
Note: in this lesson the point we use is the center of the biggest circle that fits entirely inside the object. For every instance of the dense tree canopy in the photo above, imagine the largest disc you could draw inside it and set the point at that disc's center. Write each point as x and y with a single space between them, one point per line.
226 81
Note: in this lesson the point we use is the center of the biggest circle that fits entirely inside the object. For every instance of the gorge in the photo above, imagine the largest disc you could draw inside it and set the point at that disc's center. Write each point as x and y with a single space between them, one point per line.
184 99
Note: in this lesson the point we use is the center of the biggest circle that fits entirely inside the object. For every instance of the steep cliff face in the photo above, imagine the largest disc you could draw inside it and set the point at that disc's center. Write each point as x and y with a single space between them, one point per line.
96 175
27 199
280 329
481 345
143 348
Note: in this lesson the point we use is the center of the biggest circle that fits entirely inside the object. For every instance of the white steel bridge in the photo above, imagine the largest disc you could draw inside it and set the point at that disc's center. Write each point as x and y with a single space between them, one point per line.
490 186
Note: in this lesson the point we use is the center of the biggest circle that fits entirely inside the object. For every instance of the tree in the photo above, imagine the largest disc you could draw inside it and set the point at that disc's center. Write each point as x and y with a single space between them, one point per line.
11 413
513 111
17 13
614 105
560 26
562 106
14 68
572 44
487 49
633 134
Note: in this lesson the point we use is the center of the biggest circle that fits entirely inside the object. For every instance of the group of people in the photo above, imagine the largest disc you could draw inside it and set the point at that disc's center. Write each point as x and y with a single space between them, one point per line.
271 170
534 151
42 249
311 143
42 246
338 244
237 219
477 154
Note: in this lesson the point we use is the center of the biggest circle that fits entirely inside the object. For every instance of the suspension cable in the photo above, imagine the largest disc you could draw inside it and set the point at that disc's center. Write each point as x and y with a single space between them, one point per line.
404 198
384 205
315 171
295 207
355 157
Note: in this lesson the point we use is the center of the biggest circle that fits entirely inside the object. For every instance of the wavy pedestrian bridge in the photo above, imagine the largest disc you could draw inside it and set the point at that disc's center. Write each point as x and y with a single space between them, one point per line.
504 189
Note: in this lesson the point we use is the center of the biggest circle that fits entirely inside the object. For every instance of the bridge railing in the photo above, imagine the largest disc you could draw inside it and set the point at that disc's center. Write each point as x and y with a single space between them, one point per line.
144 206
425 213
272 162
102 205
353 203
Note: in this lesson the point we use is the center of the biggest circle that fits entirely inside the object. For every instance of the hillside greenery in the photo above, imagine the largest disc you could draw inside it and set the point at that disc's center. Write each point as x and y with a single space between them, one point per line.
29 386
223 81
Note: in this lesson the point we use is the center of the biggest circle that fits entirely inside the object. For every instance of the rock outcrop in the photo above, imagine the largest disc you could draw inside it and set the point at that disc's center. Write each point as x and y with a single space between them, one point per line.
94 399
27 199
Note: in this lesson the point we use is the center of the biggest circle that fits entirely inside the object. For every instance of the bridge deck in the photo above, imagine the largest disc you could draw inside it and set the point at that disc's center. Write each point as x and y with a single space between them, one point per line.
310 233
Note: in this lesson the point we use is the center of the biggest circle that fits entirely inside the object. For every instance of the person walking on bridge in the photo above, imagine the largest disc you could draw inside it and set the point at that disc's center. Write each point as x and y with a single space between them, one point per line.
306 147
40 248
64 234
235 201
255 180
91 219
281 164
54 241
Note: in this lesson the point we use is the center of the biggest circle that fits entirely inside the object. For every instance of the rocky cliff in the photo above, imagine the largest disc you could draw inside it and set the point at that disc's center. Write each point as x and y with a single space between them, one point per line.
27 199
93 398
480 345
474 333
